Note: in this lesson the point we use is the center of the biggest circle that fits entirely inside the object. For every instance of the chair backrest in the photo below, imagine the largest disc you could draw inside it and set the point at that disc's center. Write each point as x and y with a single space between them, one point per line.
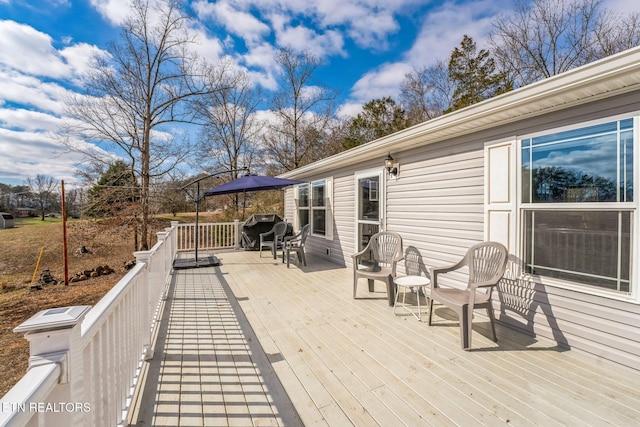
487 262
413 264
280 229
385 247
303 234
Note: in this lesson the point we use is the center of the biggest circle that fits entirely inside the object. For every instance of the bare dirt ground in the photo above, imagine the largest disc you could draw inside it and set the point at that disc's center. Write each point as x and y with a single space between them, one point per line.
107 244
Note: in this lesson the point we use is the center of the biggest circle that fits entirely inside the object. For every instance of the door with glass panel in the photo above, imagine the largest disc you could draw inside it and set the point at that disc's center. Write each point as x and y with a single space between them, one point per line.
369 207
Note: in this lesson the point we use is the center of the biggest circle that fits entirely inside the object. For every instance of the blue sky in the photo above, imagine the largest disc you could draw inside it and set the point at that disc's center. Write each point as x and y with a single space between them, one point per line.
366 47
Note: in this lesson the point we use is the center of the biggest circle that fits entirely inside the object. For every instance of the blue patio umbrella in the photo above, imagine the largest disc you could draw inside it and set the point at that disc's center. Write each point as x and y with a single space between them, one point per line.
249 183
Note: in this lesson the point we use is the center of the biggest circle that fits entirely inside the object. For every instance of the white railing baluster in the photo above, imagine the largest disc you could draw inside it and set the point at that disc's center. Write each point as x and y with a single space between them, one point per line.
222 235
101 363
100 355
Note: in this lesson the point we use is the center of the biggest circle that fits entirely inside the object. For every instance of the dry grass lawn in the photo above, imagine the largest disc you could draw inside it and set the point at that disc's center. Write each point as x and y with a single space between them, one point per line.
108 243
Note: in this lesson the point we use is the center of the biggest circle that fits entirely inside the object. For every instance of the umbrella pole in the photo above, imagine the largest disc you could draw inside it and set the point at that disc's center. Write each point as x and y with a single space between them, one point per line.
244 202
197 236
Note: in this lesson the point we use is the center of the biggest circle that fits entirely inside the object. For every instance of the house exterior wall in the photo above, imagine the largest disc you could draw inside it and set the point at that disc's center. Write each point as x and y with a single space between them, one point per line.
437 204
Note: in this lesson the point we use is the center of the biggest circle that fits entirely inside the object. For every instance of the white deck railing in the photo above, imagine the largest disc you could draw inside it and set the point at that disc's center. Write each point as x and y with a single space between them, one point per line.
219 235
85 362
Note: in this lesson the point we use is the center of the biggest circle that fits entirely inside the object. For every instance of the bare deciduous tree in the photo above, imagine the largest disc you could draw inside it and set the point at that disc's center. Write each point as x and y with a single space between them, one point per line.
43 187
228 140
615 33
427 92
547 37
303 109
231 129
135 94
168 195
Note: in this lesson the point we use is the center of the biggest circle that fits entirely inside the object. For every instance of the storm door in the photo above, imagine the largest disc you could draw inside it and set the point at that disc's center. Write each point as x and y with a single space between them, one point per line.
369 206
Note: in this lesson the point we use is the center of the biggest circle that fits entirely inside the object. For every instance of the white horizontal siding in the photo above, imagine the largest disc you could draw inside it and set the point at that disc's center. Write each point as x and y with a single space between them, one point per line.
437 205
343 199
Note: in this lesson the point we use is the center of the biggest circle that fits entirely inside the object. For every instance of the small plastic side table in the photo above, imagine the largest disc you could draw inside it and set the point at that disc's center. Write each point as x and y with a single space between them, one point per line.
407 283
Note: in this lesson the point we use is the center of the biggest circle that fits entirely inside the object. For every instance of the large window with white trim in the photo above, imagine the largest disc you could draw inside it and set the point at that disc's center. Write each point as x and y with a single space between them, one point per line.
577 204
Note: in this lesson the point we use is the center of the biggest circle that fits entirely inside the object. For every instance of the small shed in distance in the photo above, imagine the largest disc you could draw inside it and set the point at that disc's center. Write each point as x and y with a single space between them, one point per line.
6 220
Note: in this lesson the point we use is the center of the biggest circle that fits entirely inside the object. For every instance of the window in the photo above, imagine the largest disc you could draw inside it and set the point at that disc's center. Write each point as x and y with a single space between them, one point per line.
578 205
303 205
318 208
314 207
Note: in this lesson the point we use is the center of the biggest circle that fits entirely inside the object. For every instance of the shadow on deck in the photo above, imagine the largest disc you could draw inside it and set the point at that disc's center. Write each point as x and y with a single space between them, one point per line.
209 367
253 343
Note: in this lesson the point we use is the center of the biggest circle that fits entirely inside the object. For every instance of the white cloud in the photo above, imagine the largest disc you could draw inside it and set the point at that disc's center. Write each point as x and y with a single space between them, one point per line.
208 48
114 11
622 6
30 51
316 25
370 30
237 22
444 27
265 80
349 109
301 38
25 154
31 91
80 57
117 11
368 22
383 81
441 31
262 58
28 120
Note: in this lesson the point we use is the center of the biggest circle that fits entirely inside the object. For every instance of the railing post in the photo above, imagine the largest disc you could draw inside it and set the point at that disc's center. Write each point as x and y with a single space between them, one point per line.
162 237
144 257
174 239
236 226
54 336
169 242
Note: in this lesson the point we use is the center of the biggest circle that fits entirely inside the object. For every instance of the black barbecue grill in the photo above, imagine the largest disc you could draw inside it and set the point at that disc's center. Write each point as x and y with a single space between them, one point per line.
256 224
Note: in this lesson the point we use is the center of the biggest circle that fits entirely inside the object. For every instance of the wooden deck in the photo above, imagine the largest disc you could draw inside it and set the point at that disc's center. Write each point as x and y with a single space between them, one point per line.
254 343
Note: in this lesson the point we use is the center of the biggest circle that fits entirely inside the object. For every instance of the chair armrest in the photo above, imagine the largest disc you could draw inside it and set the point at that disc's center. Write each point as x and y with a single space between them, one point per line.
448 268
362 252
266 234
354 258
444 269
394 264
356 261
289 238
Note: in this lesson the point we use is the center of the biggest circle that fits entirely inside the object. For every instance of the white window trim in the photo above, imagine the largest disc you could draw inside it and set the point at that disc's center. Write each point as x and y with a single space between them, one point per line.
634 295
382 200
328 207
296 206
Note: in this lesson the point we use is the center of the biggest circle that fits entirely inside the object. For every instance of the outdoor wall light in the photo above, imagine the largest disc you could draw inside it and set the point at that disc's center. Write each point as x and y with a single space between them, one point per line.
392 168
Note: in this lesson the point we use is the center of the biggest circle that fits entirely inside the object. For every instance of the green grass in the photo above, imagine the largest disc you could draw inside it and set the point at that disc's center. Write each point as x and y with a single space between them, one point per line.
170 217
36 221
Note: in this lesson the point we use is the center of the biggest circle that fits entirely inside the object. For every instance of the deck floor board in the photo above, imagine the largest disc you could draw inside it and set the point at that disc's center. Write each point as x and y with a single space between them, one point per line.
251 342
